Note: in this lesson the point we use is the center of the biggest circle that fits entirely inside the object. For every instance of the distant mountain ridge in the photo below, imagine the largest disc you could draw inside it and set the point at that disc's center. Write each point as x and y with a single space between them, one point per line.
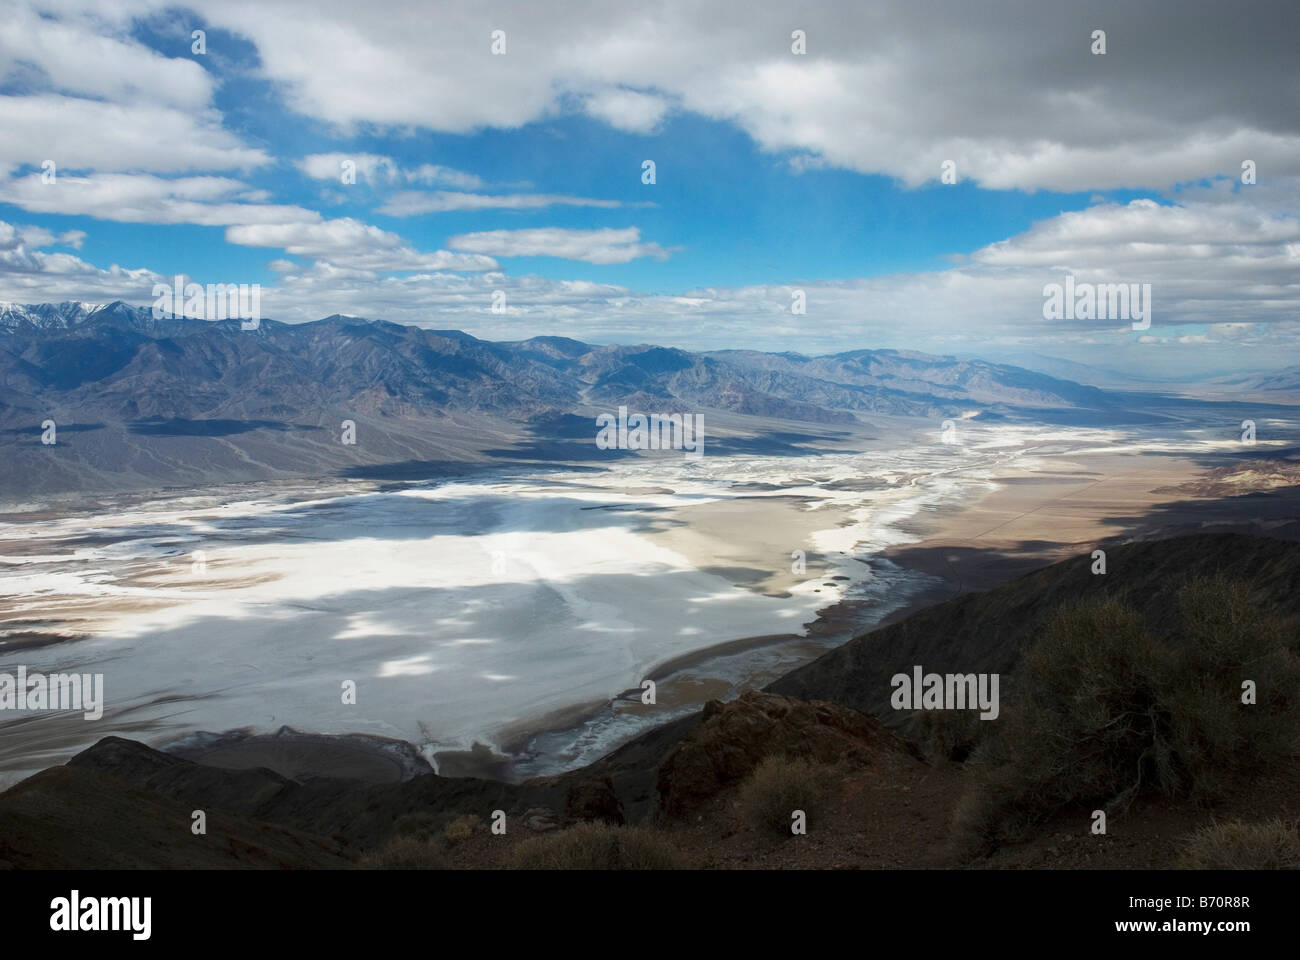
147 396
45 316
90 351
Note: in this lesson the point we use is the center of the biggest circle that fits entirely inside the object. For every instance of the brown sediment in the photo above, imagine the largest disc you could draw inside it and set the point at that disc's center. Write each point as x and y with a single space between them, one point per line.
749 540
695 657
1030 520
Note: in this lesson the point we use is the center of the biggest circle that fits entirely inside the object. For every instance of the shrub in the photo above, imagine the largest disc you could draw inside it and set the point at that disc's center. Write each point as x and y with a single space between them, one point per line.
1104 713
947 734
407 853
1272 845
780 785
595 846
1226 640
419 826
462 828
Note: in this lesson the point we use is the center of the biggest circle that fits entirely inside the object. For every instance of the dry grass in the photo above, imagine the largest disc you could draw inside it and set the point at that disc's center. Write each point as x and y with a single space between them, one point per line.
595 846
1272 845
407 853
781 785
462 828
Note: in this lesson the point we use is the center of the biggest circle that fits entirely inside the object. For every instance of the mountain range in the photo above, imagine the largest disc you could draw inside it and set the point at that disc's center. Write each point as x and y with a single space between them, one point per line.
130 393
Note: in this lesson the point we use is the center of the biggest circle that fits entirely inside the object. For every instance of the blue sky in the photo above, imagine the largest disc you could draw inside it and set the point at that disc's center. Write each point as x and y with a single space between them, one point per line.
776 171
731 214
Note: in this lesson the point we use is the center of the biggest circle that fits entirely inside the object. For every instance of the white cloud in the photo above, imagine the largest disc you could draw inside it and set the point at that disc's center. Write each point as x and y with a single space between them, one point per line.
351 244
91 96
1015 99
628 110
88 56
379 170
594 246
144 198
439 299
375 168
80 134
410 203
330 166
1207 263
445 176
1235 309
31 275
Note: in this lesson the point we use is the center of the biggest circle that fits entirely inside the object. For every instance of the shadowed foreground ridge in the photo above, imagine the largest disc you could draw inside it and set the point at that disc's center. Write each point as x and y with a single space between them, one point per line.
986 632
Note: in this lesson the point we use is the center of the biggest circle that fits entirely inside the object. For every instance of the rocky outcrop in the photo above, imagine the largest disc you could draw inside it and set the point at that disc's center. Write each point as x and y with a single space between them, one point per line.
733 738
594 801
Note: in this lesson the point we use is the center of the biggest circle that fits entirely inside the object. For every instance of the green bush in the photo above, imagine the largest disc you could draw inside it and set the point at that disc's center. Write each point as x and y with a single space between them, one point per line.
1103 713
1273 845
595 846
780 785
1226 641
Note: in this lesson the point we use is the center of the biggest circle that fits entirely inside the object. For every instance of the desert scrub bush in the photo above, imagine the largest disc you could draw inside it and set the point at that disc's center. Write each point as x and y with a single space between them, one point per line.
947 734
780 785
1102 712
595 846
407 853
462 828
1225 641
419 826
1272 845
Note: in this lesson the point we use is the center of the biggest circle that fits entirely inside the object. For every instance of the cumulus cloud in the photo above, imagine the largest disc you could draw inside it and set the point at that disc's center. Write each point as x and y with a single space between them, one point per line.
144 198
593 246
1206 263
410 203
1239 306
89 95
29 274
86 55
350 243
441 299
376 168
628 110
80 134
379 170
884 88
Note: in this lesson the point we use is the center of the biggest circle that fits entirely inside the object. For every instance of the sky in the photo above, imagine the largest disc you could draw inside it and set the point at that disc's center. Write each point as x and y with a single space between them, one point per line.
915 174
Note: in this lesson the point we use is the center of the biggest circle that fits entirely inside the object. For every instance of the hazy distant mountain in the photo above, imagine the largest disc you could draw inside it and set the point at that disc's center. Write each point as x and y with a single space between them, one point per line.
127 390
121 360
1285 379
1087 373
